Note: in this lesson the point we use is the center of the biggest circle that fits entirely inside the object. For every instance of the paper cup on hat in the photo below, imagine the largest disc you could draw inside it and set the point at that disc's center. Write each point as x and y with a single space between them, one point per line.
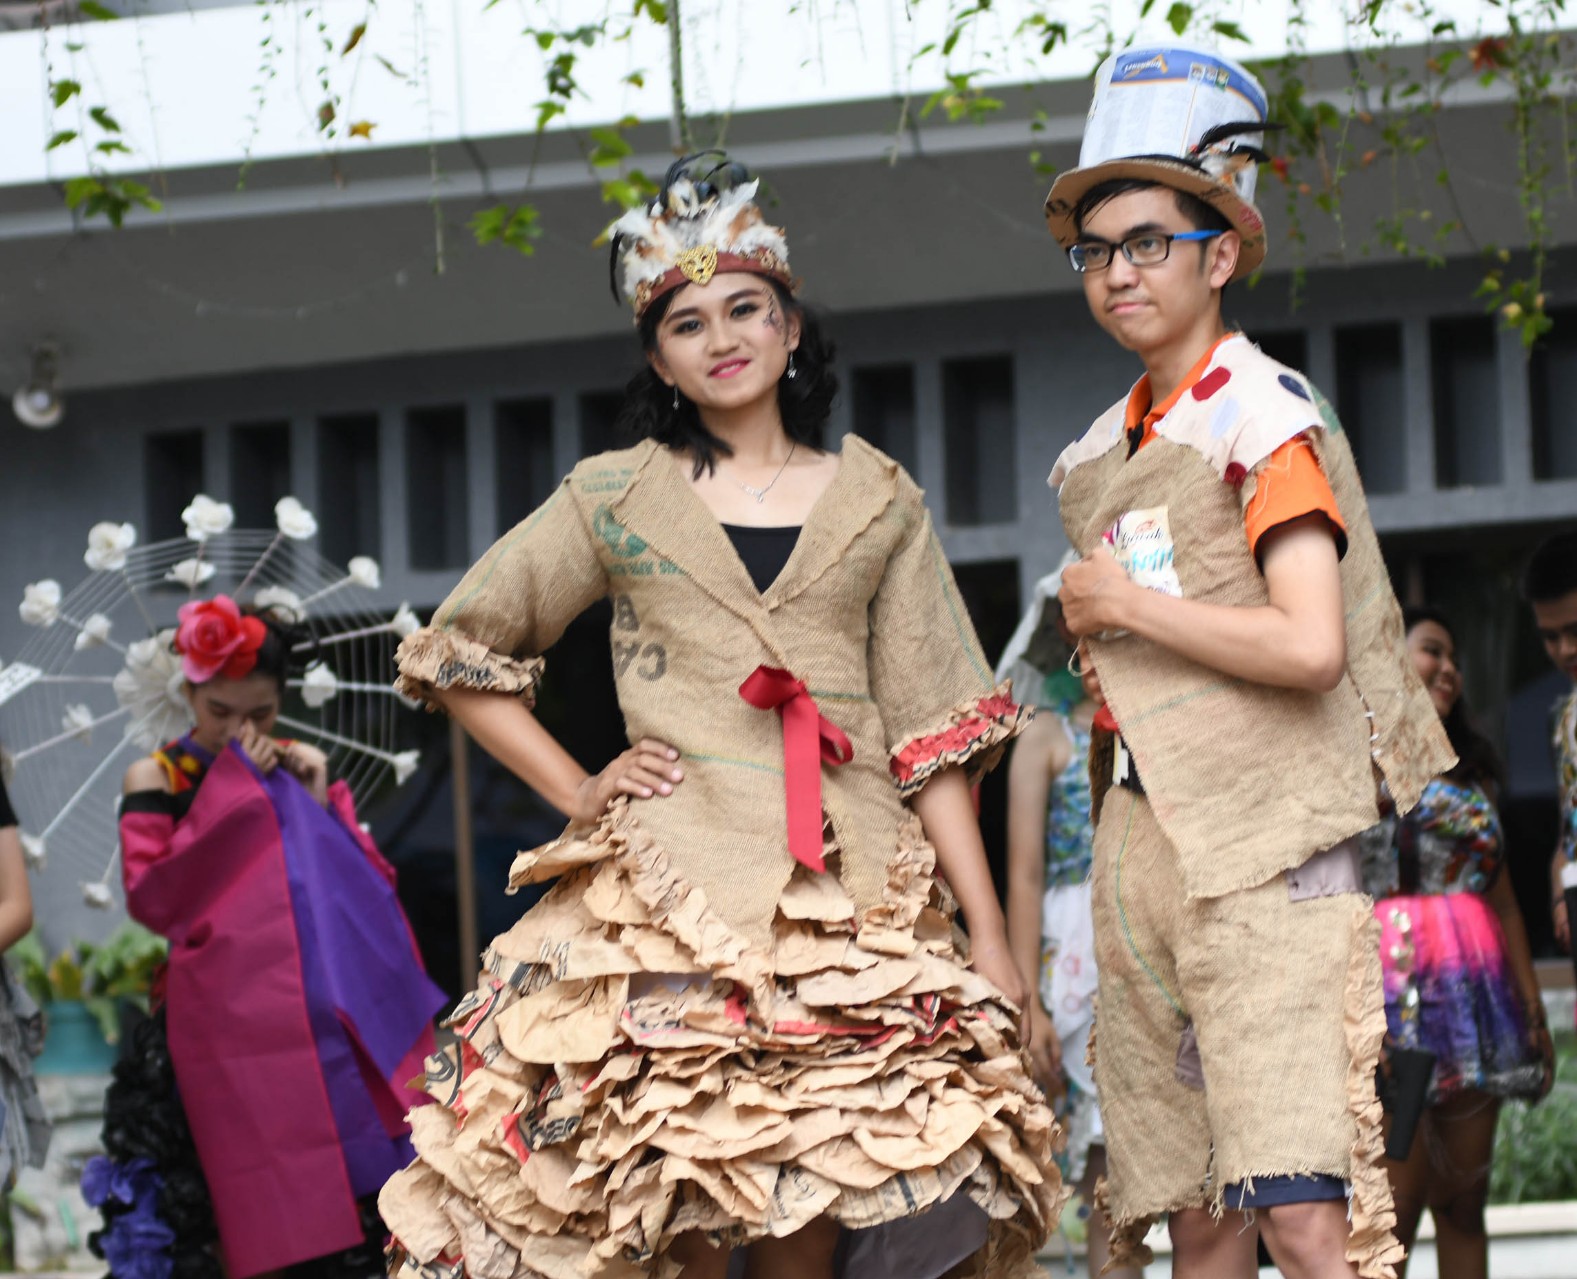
1152 106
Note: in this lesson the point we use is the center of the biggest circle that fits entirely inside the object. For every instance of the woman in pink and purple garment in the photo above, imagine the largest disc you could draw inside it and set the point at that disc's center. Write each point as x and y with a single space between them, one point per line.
1459 979
295 1003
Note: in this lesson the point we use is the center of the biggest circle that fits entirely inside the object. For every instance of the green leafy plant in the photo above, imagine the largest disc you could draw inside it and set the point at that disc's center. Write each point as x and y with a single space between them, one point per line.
1535 1157
121 967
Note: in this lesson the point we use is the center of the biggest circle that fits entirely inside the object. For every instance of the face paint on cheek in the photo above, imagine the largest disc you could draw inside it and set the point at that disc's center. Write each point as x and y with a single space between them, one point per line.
773 320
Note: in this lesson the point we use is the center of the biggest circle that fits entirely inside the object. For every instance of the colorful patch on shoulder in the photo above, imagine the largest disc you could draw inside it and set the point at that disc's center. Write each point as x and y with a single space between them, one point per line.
1296 387
1224 418
1212 382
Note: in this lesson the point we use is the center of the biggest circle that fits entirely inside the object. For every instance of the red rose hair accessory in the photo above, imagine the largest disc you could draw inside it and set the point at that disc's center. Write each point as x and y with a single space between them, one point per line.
215 640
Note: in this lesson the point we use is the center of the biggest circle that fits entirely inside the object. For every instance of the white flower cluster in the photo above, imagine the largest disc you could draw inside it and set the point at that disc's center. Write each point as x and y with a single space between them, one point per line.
206 518
107 546
294 519
40 602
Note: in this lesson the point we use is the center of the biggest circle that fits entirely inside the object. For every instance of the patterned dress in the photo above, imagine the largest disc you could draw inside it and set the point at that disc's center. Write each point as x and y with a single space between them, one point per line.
1565 744
1067 945
1448 985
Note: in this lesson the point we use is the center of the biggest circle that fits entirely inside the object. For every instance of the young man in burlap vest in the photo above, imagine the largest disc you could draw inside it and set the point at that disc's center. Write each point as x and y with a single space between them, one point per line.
1237 620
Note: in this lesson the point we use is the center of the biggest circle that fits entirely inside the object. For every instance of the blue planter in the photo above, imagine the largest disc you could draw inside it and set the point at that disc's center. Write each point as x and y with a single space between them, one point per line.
73 1043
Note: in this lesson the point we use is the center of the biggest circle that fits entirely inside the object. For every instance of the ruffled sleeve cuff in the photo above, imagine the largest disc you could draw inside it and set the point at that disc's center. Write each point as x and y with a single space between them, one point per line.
972 736
432 660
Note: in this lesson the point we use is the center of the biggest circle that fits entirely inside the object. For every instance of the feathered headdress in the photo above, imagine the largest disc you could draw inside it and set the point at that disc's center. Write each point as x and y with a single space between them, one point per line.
703 220
1184 117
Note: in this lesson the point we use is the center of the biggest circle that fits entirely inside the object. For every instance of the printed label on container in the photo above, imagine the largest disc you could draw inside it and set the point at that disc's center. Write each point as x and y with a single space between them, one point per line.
1142 543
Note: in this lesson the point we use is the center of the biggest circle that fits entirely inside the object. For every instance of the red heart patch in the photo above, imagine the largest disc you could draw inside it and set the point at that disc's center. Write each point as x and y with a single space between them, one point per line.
1212 382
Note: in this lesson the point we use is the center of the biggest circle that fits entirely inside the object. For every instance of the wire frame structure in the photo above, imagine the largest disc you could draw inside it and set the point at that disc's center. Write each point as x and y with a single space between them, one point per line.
100 683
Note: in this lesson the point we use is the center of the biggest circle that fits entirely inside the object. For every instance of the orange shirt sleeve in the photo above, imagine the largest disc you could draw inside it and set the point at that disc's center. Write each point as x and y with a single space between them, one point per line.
1290 485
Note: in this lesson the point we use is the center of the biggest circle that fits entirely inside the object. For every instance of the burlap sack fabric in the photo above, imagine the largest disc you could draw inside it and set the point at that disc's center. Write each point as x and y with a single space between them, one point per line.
1245 782
692 1031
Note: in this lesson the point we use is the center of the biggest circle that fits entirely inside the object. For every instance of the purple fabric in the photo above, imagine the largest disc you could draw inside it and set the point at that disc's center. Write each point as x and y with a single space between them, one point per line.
367 996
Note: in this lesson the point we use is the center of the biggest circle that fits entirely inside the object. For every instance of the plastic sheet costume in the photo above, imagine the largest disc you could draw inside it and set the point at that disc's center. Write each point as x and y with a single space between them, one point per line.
294 1002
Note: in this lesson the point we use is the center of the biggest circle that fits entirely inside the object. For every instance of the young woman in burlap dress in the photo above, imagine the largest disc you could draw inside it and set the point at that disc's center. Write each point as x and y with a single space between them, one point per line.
742 1020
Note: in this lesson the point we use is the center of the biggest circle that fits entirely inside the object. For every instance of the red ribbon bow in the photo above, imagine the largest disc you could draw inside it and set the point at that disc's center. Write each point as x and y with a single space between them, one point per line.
807 734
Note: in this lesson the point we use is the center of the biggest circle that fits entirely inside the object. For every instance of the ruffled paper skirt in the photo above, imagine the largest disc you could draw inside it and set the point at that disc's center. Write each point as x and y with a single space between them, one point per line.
630 1070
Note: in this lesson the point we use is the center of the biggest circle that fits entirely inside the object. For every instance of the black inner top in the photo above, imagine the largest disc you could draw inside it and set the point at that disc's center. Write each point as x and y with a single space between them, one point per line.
764 550
7 816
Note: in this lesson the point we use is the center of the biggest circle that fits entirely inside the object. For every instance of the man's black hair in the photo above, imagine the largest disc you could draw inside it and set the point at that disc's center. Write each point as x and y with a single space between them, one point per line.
1552 572
1199 214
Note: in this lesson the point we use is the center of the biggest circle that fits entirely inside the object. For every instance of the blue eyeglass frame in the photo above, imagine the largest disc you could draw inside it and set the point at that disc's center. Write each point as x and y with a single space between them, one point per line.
1143 235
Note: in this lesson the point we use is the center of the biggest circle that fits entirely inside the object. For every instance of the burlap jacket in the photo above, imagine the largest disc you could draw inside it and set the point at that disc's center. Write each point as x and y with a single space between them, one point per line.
1247 780
866 612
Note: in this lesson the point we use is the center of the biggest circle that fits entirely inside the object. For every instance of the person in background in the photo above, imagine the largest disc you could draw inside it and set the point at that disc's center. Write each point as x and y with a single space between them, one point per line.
1048 891
24 1127
1459 980
1550 587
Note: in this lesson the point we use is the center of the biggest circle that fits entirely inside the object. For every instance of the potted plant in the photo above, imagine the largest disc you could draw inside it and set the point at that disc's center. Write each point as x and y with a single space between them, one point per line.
81 991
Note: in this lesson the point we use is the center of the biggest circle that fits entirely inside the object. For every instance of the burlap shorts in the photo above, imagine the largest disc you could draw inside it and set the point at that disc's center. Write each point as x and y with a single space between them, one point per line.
1284 1000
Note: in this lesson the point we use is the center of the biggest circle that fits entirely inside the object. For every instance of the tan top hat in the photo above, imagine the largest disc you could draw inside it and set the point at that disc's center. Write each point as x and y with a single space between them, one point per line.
1181 115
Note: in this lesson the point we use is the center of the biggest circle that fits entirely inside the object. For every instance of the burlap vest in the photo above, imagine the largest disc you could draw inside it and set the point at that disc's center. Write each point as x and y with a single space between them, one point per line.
1249 780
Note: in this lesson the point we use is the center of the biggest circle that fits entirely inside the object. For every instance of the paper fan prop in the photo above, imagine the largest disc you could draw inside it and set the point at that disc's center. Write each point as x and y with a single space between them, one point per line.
100 683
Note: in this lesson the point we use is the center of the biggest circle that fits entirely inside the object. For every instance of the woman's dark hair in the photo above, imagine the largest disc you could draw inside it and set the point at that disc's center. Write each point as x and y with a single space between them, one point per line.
1477 759
804 400
278 657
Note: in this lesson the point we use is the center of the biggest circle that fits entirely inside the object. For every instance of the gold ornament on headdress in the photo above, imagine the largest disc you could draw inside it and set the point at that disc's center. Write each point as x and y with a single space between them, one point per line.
698 264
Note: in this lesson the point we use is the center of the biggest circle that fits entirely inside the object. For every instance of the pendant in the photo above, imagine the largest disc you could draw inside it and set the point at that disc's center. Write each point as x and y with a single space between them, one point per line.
759 494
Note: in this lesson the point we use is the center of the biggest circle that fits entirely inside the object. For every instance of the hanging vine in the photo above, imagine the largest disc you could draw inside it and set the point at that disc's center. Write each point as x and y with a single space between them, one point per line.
1386 118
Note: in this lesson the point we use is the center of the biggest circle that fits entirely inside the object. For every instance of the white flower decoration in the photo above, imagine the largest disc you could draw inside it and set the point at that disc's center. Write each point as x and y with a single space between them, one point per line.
190 573
405 763
405 622
33 850
206 518
41 602
151 686
108 544
93 633
364 571
318 685
294 519
78 719
98 895
281 601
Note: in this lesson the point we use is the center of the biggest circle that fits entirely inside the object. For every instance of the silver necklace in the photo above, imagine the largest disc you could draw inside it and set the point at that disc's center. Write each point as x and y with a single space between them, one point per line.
760 494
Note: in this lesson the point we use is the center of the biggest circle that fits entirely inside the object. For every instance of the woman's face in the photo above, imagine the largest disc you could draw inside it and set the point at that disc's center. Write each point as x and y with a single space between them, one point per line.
1434 655
725 343
221 706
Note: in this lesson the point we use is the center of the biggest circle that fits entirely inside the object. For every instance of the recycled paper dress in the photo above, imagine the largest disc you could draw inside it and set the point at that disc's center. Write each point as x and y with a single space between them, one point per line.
295 1001
696 1030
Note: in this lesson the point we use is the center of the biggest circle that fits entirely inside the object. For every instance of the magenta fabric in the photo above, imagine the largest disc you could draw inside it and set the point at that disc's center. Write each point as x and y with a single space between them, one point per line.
286 1071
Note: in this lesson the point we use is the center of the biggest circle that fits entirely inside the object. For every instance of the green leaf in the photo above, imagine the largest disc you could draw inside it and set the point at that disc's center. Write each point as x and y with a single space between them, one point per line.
104 119
1179 16
356 33
610 149
111 147
1229 31
514 227
79 190
62 91
98 12
60 139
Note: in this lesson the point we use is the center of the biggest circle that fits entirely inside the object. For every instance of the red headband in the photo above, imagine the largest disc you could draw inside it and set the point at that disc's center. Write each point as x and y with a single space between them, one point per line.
698 266
215 640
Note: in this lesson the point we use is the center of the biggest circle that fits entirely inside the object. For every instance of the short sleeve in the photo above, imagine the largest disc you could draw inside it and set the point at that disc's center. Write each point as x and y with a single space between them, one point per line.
939 703
7 813
513 604
1289 485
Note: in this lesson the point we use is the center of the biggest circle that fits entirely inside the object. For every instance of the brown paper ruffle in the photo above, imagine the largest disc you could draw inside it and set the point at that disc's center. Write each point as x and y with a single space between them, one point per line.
974 735
1371 1244
630 1070
431 660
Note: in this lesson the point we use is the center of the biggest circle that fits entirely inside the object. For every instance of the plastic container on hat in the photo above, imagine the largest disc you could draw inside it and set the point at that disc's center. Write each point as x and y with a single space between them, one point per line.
1155 115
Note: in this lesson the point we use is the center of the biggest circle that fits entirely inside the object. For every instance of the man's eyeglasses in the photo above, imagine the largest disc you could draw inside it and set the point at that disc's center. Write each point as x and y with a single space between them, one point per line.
1149 248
